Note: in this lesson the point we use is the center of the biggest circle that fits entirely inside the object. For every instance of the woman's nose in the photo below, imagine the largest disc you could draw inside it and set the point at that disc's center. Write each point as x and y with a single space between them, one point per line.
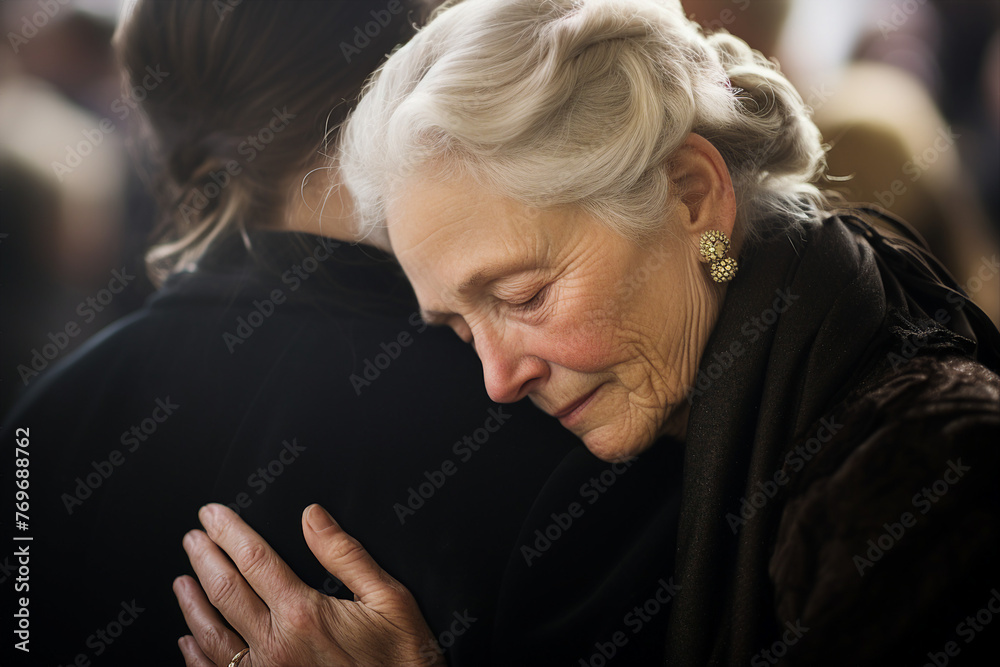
509 374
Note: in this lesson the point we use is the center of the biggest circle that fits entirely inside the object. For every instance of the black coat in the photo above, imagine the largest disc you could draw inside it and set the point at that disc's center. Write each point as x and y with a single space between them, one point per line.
295 374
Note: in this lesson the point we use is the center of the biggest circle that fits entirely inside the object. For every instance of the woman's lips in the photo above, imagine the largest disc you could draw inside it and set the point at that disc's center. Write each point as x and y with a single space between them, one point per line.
571 413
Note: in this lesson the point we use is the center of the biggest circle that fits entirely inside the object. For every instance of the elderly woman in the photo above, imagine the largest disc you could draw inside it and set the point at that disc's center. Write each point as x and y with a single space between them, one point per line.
618 213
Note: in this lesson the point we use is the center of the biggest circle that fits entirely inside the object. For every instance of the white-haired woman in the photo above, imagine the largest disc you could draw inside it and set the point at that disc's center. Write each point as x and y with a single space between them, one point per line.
619 213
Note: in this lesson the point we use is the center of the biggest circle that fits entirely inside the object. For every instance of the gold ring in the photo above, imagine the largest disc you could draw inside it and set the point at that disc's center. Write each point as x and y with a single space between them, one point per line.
238 657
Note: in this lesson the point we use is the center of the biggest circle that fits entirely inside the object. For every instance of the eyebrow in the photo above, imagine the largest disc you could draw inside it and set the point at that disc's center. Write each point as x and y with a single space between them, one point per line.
437 317
476 280
492 272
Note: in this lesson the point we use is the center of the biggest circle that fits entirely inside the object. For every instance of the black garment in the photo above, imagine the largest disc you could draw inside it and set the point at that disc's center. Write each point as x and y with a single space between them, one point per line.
820 318
827 399
591 581
888 547
298 373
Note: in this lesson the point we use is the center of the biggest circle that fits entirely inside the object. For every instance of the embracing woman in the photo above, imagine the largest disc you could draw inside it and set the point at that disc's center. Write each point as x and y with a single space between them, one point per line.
278 365
621 215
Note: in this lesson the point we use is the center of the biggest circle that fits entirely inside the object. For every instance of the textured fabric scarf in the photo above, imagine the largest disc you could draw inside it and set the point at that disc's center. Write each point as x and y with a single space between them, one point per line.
804 321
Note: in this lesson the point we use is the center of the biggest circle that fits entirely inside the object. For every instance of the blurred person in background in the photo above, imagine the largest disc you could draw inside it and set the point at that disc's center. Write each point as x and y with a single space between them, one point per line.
29 211
279 364
899 99
64 118
894 93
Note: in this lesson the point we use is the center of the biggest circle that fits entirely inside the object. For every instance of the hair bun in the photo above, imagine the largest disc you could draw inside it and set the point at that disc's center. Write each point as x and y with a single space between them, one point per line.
781 139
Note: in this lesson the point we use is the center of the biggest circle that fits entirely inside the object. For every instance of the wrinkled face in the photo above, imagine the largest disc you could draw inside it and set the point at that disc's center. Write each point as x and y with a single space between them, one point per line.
594 329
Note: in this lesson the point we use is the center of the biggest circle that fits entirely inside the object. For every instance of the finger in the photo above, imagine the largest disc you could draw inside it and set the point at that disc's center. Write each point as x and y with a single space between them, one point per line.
193 655
345 558
225 587
262 567
213 642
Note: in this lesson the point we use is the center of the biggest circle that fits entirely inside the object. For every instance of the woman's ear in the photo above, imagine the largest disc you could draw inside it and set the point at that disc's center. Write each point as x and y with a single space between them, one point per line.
704 187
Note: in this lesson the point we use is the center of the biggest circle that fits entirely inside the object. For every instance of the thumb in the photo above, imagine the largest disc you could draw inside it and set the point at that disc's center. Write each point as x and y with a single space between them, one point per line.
345 558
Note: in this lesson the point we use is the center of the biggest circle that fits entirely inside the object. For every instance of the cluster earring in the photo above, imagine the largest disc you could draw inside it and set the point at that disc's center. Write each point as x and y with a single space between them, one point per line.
714 246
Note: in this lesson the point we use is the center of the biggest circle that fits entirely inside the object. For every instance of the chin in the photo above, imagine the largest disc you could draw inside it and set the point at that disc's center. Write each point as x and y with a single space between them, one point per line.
610 444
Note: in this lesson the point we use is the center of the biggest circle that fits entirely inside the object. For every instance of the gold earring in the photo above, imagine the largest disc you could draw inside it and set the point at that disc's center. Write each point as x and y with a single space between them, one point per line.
714 246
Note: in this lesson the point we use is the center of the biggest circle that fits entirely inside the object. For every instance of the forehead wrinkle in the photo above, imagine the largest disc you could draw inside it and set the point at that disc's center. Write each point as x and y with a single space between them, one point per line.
452 237
445 209
461 216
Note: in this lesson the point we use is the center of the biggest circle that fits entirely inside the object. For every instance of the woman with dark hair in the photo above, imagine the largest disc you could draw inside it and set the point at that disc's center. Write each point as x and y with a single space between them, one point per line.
621 215
278 365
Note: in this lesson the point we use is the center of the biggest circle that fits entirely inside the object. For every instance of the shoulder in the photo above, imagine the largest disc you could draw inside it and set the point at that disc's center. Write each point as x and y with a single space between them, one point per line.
894 523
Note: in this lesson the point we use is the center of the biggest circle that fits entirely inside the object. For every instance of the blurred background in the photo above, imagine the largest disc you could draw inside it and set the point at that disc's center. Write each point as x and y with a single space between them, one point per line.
906 93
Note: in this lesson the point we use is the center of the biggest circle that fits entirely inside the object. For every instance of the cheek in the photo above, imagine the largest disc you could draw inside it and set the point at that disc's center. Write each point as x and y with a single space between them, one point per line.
586 341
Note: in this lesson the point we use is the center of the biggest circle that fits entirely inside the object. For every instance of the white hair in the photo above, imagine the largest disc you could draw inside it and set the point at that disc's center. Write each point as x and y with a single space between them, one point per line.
579 102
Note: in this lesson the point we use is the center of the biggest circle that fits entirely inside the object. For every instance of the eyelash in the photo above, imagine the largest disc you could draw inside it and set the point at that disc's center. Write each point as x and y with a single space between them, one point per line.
533 303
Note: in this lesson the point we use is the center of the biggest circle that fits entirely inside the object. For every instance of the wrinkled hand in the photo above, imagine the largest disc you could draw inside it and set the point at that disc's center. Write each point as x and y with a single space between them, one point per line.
285 622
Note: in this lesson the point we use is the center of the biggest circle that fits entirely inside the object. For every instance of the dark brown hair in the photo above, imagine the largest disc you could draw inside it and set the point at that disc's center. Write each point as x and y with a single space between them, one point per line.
239 96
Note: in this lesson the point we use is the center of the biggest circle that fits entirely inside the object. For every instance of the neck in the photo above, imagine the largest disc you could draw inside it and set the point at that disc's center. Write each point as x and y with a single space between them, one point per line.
321 205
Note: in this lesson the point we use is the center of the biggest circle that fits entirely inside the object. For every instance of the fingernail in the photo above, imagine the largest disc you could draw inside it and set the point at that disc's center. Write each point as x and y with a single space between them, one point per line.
189 540
206 514
318 518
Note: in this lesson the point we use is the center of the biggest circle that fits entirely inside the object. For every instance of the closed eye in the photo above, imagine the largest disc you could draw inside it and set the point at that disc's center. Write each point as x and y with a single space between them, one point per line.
534 302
